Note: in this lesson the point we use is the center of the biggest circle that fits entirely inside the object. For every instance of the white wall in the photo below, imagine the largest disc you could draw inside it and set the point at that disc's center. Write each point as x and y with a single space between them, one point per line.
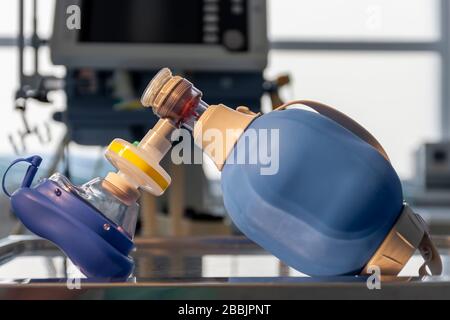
395 95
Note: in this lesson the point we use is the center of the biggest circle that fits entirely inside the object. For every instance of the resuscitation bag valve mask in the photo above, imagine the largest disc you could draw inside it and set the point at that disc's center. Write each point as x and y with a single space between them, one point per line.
335 206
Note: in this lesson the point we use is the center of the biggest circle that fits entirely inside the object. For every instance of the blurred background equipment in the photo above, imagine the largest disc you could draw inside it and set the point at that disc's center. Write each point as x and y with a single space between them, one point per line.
32 86
273 89
433 164
221 46
431 186
226 35
109 64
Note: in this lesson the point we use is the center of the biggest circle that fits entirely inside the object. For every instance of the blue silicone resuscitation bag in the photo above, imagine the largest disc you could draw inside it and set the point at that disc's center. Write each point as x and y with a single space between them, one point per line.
331 204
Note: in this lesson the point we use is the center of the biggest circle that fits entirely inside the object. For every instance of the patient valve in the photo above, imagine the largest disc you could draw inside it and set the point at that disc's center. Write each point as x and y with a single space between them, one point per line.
178 103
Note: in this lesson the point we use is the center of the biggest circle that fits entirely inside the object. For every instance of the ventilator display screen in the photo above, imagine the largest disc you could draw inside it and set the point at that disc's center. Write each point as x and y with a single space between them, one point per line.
142 21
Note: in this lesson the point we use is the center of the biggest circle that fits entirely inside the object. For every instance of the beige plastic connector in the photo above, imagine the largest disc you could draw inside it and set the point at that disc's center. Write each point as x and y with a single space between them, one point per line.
157 142
224 123
140 165
408 235
123 189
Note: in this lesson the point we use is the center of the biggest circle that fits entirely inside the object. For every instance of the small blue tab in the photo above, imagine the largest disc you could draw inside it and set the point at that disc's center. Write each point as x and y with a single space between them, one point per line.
34 162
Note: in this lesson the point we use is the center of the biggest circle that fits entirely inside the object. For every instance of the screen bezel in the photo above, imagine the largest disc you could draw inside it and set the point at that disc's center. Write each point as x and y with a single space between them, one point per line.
67 50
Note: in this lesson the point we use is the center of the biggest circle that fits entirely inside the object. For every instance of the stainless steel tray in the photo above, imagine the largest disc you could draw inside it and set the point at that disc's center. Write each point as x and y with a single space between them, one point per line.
197 268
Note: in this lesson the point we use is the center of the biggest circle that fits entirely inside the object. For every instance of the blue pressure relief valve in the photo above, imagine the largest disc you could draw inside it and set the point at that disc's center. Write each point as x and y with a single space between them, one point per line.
75 218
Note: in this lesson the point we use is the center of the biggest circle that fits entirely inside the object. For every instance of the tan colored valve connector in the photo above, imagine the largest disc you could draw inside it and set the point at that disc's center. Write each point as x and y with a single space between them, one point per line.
226 123
407 236
139 166
123 189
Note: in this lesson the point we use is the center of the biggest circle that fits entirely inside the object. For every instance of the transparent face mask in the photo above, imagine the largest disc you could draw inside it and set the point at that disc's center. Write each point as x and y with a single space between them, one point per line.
96 194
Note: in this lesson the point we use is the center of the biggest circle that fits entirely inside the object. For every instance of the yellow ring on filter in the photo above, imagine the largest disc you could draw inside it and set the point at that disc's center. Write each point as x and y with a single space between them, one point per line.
126 153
